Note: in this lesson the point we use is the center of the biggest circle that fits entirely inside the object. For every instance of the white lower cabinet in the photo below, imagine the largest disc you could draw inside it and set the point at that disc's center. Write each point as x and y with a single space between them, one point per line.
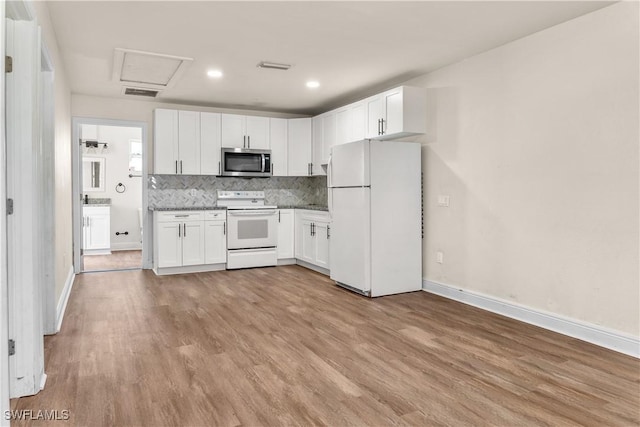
286 233
194 240
96 229
215 237
312 234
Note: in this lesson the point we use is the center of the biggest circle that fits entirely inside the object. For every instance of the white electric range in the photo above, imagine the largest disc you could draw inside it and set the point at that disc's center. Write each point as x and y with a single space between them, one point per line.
252 232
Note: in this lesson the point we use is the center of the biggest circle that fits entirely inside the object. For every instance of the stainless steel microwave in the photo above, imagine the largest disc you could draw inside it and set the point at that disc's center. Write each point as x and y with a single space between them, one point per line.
246 162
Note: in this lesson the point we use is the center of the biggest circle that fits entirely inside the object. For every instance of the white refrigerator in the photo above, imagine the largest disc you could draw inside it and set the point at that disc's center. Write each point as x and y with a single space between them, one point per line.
376 217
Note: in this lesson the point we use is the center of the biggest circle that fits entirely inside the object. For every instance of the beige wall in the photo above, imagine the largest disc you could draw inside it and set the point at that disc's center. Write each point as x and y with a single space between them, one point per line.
537 142
142 111
63 231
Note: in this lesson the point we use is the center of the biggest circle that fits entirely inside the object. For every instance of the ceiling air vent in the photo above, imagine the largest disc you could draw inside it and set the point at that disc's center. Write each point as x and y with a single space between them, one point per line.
273 65
140 92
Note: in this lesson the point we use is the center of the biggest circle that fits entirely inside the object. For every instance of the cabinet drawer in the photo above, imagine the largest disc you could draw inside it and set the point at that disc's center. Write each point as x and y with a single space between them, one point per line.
173 216
311 215
96 210
215 215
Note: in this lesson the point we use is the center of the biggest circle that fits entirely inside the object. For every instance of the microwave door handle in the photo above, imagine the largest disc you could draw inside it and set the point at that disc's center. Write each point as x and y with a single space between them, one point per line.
263 162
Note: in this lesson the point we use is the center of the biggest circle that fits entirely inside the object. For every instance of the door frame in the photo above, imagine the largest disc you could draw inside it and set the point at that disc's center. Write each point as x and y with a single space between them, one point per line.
76 187
4 295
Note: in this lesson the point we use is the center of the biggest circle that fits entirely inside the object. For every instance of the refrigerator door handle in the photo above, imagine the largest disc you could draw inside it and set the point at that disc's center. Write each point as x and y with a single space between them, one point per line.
329 172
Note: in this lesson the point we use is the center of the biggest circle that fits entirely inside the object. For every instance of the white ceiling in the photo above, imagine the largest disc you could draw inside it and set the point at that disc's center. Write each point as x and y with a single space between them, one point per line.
351 48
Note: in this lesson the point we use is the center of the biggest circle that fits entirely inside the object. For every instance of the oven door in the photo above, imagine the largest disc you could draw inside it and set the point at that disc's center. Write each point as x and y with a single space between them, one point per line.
252 228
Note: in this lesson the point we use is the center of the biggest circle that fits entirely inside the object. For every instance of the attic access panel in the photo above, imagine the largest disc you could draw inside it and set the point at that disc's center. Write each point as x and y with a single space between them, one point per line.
147 69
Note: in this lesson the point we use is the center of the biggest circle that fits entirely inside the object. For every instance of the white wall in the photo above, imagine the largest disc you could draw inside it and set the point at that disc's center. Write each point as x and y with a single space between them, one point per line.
63 231
537 142
124 206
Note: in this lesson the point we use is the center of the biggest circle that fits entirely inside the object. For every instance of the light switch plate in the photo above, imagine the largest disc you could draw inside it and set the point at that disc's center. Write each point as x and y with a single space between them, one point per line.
443 201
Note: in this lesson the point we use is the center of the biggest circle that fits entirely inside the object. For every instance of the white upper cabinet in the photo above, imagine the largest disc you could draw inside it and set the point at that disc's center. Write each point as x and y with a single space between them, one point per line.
210 144
299 147
343 124
278 138
257 130
245 131
324 137
396 113
165 135
189 142
358 121
177 142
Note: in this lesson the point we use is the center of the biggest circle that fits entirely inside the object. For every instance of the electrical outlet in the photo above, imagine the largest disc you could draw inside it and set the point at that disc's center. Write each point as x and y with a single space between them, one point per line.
443 201
440 257
194 192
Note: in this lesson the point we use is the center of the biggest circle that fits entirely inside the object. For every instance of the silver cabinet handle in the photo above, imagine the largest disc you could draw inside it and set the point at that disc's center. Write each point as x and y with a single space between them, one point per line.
219 169
378 126
249 141
180 166
224 228
381 126
176 167
271 169
185 230
244 141
181 216
179 230
278 216
328 231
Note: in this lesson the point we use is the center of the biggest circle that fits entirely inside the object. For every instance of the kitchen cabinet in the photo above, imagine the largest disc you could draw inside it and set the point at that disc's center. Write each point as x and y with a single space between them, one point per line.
176 142
299 147
179 239
96 229
286 233
215 237
245 131
324 137
278 138
312 234
396 113
210 144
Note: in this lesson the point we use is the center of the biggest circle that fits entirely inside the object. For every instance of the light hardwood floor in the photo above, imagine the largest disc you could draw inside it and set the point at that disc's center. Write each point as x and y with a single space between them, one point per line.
116 260
284 346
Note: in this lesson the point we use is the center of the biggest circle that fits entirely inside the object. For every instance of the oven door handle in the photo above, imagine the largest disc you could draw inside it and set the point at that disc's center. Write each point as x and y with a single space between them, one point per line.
234 213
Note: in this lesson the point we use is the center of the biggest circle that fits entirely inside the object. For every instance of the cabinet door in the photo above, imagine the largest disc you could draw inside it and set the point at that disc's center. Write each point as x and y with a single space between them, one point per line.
169 245
317 143
189 142
299 146
328 136
193 243
308 243
165 138
210 144
257 131
374 115
99 231
393 117
358 124
321 236
233 131
278 139
343 124
285 234
215 242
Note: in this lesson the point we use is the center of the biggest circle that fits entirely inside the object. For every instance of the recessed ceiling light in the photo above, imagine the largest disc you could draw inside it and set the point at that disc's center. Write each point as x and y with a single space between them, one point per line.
214 74
313 84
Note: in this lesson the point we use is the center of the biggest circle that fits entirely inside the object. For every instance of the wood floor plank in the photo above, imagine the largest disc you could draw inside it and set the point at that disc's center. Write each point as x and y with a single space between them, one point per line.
284 346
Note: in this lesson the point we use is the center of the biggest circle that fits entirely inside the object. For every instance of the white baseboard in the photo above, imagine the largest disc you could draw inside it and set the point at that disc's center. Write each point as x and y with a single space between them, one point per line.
64 298
594 334
312 267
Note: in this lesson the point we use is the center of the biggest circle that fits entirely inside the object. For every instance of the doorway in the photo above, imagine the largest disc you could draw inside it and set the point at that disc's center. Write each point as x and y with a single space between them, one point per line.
110 174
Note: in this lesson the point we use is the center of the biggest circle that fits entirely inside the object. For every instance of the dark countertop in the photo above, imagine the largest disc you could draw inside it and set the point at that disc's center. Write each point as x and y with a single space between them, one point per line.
307 207
186 208
213 208
97 202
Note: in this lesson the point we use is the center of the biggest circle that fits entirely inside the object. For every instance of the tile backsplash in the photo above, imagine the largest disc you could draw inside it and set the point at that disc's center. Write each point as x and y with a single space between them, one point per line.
199 190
